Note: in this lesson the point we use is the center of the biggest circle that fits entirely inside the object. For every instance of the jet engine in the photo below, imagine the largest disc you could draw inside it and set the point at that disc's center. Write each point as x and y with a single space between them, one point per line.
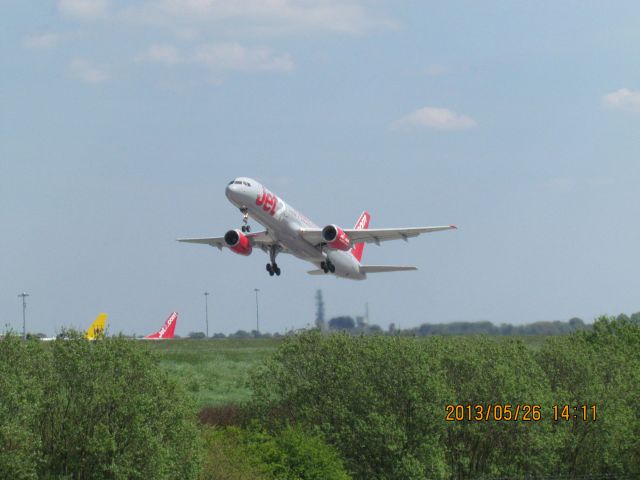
238 242
335 238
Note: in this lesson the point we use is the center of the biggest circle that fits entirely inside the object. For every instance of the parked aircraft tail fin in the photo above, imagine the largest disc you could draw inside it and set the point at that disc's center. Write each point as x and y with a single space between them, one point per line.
361 224
97 328
168 328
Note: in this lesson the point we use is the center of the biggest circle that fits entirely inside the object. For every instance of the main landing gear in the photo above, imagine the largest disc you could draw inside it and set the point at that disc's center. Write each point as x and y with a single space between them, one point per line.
273 267
327 266
245 220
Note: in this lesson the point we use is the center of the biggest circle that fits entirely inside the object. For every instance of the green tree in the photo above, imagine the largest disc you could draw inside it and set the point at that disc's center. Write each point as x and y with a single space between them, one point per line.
598 367
498 372
111 412
23 368
289 454
377 399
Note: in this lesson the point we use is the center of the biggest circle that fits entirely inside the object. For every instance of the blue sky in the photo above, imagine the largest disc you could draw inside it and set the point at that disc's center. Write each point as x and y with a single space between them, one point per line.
122 121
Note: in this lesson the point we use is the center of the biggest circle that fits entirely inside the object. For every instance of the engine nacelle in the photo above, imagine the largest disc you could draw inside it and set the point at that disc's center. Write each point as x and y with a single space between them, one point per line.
335 238
238 242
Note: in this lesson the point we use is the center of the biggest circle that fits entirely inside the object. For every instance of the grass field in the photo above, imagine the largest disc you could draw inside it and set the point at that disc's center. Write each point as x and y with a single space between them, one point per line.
215 371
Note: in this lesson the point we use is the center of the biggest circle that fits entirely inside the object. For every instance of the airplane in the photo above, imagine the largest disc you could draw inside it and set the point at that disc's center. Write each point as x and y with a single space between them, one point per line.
331 249
167 329
97 327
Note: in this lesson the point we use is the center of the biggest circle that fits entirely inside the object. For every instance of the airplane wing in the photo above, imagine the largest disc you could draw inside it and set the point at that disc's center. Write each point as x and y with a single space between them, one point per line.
260 239
373 235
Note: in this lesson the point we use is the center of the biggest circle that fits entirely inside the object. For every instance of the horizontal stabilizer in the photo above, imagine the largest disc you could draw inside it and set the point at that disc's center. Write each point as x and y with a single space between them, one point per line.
385 268
316 272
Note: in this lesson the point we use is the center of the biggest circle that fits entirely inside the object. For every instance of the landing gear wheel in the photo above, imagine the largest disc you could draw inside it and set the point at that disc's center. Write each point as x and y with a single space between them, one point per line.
331 267
323 266
272 267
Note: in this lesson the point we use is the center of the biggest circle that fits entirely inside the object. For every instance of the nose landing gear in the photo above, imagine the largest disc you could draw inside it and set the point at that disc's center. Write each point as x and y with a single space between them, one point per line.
245 220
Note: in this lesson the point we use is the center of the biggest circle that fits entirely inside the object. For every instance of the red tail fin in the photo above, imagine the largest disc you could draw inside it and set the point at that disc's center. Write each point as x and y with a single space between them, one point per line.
361 224
167 329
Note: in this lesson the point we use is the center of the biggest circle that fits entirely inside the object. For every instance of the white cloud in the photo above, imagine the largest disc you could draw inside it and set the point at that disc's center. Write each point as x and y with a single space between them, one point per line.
273 16
46 40
623 99
436 118
89 72
233 56
83 8
220 57
167 54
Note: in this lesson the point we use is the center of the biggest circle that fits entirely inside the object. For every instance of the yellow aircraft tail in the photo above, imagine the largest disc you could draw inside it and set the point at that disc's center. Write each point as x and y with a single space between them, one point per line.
97 327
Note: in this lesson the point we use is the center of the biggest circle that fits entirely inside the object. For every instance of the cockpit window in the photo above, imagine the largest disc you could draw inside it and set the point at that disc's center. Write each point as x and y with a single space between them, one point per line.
238 182
230 183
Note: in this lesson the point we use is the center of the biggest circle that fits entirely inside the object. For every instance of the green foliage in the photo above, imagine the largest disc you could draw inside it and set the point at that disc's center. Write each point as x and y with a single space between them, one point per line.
237 454
375 398
483 371
21 396
380 400
599 367
226 457
213 371
100 409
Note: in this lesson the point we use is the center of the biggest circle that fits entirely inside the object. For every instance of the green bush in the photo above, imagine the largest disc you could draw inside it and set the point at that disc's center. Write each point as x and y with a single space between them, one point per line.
378 400
100 409
484 371
599 367
233 453
381 402
23 368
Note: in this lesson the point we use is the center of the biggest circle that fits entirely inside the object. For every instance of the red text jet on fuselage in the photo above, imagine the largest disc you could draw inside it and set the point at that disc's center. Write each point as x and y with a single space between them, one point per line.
333 249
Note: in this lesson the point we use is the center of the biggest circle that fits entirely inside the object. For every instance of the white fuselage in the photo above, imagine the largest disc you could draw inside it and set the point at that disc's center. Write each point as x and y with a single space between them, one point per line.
283 223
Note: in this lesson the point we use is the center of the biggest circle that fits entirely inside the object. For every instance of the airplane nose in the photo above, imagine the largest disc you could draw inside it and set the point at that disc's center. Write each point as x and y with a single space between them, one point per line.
231 188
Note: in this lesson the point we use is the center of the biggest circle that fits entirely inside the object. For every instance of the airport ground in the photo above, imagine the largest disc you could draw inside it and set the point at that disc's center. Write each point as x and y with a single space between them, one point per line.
216 371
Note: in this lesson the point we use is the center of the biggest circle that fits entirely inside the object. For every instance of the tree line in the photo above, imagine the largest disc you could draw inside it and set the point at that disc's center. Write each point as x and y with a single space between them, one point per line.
333 406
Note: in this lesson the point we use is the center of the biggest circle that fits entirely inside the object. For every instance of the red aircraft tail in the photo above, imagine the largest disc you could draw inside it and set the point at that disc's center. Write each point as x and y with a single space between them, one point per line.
167 329
361 224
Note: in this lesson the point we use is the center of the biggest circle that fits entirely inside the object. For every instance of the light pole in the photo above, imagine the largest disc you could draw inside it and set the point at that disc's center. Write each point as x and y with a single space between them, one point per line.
24 314
206 311
257 313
